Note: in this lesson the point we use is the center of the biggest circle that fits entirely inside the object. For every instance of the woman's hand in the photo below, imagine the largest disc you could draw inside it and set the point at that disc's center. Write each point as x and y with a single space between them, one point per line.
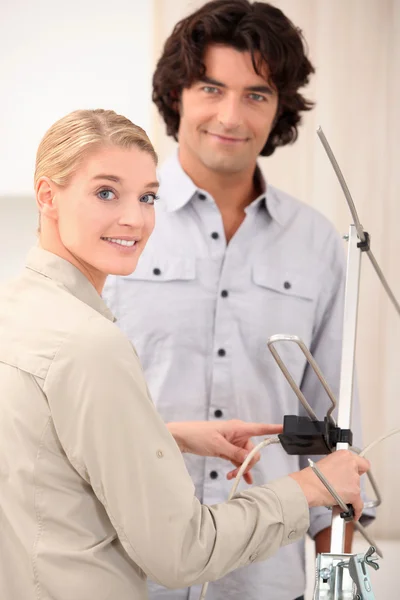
224 439
343 470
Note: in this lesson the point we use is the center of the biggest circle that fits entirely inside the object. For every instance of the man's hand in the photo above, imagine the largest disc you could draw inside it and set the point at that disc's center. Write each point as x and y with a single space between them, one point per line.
225 439
343 470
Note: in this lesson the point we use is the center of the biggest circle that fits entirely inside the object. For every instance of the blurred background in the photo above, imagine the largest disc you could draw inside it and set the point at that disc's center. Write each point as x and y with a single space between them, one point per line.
56 57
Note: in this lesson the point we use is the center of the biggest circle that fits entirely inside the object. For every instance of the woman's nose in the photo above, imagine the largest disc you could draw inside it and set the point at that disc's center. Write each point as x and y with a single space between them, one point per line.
132 215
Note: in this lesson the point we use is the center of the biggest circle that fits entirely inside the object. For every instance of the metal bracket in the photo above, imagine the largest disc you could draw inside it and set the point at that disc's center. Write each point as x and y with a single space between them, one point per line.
344 576
359 574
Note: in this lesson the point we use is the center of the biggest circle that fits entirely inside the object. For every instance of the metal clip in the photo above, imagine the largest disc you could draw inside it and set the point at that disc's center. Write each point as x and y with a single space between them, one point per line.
368 558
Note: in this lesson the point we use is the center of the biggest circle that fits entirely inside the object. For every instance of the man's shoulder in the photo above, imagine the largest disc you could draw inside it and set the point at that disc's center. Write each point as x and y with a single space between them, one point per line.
306 231
293 210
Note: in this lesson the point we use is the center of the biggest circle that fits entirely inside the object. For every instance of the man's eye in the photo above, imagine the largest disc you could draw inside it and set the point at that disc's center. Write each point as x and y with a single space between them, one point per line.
209 89
106 194
148 198
257 97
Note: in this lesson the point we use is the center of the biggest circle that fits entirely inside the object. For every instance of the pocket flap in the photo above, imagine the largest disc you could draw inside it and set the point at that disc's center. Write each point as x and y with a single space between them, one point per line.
286 281
157 268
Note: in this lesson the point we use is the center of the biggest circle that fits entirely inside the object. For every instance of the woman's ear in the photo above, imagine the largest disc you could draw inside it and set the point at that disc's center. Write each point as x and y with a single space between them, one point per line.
46 198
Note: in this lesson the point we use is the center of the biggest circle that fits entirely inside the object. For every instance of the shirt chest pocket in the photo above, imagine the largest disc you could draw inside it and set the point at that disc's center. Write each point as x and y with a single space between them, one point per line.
158 298
159 269
284 301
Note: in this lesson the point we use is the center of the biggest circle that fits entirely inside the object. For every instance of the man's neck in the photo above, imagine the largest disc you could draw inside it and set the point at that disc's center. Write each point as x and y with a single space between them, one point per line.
232 192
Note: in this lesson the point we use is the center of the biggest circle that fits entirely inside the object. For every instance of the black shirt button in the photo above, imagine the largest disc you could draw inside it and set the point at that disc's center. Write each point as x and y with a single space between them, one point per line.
201 196
215 235
156 271
224 293
287 285
213 474
218 413
221 352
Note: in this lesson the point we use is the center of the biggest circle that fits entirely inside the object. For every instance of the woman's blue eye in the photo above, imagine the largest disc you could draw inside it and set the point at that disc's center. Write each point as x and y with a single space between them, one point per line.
148 198
106 194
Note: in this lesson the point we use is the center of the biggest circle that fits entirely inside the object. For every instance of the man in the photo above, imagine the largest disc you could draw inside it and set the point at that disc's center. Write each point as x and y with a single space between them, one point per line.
233 260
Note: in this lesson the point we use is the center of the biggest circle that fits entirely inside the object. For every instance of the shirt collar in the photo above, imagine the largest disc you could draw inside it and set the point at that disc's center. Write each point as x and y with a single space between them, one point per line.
177 189
60 270
270 198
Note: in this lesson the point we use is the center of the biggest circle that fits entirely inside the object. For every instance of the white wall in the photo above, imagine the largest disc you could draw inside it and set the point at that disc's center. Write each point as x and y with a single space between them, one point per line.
56 57
18 224
60 56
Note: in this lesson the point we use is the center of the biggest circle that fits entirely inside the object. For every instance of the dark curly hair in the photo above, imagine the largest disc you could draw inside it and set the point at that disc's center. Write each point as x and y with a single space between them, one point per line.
259 28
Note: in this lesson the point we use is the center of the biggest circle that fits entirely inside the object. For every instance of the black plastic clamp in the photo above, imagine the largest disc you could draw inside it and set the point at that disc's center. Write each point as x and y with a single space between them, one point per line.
301 436
349 514
365 245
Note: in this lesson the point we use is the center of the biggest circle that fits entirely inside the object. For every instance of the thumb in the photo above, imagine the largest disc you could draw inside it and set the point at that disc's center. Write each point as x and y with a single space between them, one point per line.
363 465
231 452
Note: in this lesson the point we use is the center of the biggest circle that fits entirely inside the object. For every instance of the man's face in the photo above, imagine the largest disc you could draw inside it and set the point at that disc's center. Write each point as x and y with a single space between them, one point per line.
226 117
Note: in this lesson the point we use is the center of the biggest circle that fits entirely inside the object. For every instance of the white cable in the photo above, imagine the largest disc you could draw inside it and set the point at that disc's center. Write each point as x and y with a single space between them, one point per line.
266 442
263 444
378 441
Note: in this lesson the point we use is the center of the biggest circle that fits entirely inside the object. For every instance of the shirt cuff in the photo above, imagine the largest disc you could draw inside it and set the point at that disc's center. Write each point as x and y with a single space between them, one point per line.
294 505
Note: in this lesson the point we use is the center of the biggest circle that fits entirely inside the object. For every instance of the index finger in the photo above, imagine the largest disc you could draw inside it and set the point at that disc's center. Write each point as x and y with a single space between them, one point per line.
256 429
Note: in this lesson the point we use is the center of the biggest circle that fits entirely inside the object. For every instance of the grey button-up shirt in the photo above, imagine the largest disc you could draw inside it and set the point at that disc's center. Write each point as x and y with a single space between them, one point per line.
94 493
200 311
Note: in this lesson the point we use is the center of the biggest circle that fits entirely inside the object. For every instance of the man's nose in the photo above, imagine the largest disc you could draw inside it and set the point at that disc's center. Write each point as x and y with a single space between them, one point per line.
230 112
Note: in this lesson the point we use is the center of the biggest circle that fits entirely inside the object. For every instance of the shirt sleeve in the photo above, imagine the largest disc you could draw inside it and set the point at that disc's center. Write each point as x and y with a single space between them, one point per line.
326 348
115 439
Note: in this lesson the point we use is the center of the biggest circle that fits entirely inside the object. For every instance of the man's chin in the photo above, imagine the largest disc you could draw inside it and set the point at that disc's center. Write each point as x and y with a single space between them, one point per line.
226 164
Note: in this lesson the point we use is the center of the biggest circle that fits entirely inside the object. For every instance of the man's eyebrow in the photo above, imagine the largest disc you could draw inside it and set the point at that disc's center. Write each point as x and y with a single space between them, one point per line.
263 89
211 81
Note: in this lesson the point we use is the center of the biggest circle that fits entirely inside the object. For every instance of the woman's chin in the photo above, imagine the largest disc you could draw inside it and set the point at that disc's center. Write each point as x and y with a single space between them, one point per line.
123 268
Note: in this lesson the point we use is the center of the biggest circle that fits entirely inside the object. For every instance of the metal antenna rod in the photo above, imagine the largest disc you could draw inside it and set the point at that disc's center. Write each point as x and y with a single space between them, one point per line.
328 486
310 359
357 224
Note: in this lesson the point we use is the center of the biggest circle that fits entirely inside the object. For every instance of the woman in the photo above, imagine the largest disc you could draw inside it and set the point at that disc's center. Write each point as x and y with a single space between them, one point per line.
94 494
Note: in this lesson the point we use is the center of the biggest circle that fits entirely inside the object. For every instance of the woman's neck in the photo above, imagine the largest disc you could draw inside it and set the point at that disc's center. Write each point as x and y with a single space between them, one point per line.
50 243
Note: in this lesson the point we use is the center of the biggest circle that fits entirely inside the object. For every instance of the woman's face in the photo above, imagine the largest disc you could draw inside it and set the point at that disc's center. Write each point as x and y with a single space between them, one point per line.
105 214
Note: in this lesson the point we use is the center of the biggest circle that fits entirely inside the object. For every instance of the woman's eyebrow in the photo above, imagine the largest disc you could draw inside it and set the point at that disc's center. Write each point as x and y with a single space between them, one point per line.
110 177
117 179
152 184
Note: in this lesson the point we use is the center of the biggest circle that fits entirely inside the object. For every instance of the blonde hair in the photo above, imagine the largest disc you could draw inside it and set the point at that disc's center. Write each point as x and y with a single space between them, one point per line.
69 140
